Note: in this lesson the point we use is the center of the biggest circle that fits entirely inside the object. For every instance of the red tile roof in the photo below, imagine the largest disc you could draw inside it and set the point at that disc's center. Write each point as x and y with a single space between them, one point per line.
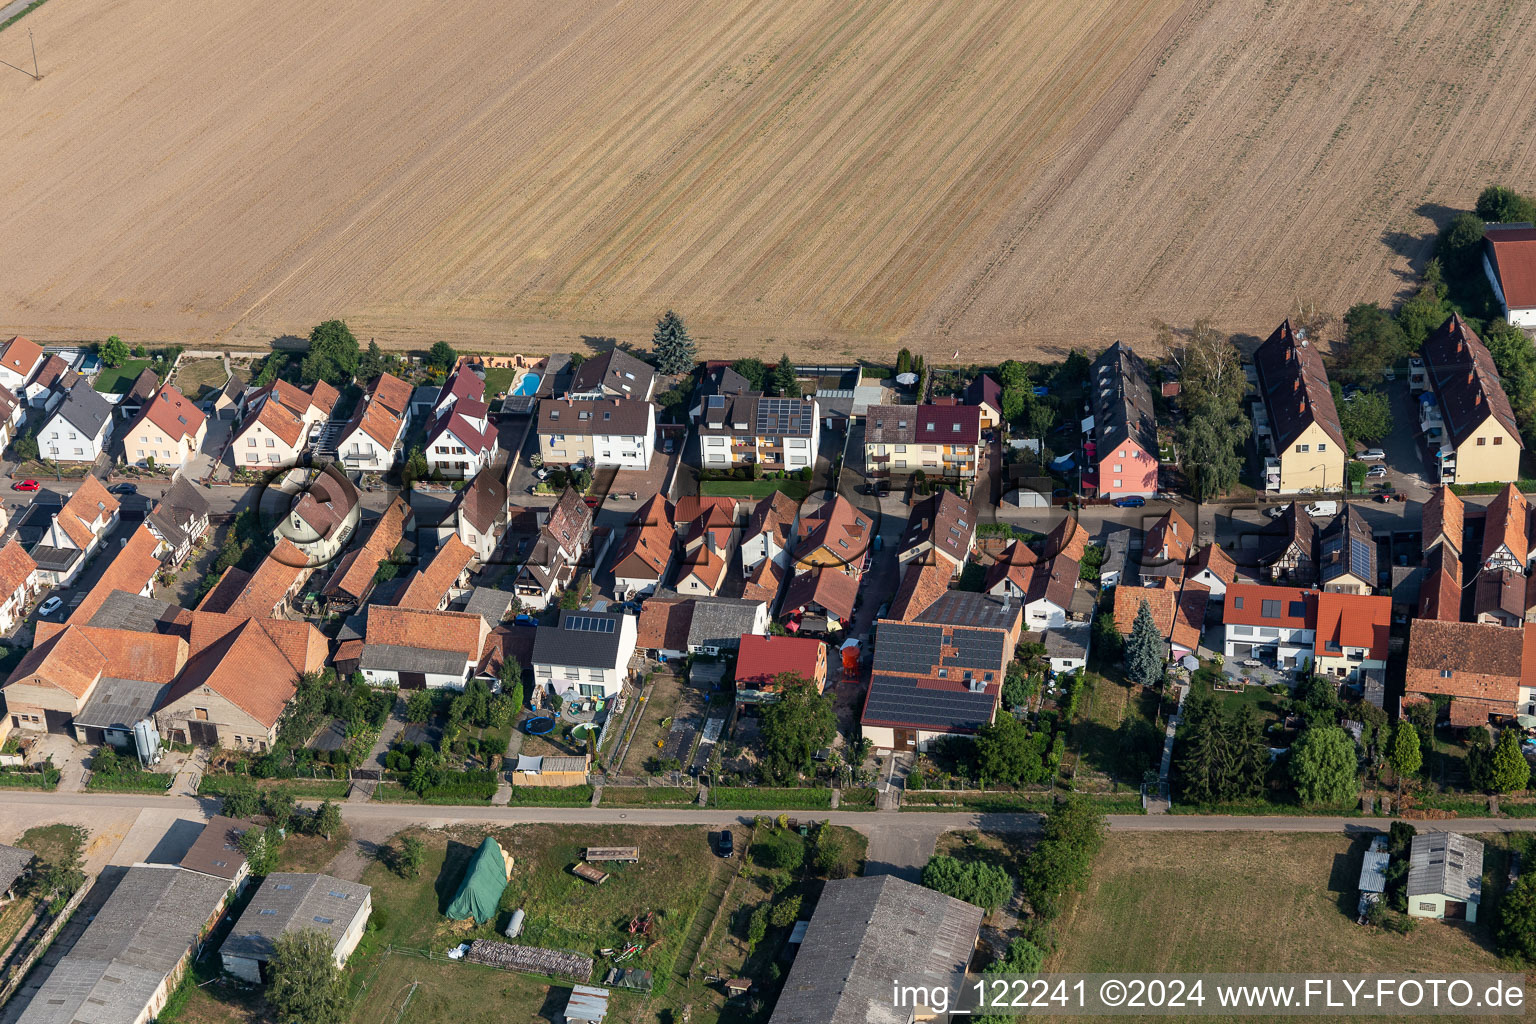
355 571
762 582
277 574
1251 605
1179 614
1214 557
432 630
663 624
832 589
1514 258
89 502
431 584
762 659
1444 515
921 585
1440 593
691 506
1476 661
246 668
66 658
840 528
1508 516
1352 620
21 354
1012 565
131 569
1069 537
1169 540
647 547
16 568
173 413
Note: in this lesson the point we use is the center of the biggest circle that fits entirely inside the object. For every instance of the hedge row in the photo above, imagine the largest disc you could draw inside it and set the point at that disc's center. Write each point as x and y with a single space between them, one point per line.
754 798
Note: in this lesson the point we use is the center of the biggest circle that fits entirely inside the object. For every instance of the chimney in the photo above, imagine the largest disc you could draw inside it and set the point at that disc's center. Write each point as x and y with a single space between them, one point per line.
1301 406
1469 375
1296 384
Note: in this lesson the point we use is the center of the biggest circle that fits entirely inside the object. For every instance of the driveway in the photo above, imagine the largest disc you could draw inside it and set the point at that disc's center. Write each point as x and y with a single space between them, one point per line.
1407 470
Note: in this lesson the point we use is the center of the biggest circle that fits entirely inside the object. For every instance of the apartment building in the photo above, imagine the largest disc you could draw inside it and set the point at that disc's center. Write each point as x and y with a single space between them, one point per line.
1296 422
751 429
1120 446
1465 416
942 441
618 432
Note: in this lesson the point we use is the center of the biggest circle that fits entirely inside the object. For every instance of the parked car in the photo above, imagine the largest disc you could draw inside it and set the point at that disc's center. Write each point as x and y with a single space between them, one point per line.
51 605
1276 511
25 485
1376 473
1387 374
1372 455
726 845
1323 508
593 501
668 445
123 489
1134 501
540 473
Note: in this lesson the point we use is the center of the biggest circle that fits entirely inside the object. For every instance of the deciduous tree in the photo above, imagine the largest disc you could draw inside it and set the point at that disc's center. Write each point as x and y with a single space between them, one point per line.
1373 342
1504 205
304 985
114 352
1324 767
441 356
984 885
1367 418
797 725
753 370
1405 756
327 820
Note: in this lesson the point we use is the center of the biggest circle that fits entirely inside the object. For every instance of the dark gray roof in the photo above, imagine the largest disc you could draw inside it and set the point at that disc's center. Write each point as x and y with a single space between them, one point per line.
1349 548
752 415
175 517
581 638
1294 385
85 410
625 417
490 603
140 935
724 381
288 902
865 932
216 851
393 658
13 861
616 371
720 621
122 610
1122 400
967 608
1446 864
118 703
55 559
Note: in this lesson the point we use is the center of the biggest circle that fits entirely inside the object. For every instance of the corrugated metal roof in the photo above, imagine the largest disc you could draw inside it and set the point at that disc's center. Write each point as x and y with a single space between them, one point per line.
288 902
1373 870
1446 864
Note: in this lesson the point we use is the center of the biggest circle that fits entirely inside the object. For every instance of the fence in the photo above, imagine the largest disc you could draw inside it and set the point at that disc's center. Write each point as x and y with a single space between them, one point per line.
19 971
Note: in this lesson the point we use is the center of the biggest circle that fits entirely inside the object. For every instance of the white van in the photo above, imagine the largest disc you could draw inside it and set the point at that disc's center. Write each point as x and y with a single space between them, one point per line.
1323 508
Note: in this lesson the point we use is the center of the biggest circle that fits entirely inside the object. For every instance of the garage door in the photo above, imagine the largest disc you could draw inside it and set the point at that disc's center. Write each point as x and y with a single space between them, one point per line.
204 734
60 723
1455 910
413 680
1242 650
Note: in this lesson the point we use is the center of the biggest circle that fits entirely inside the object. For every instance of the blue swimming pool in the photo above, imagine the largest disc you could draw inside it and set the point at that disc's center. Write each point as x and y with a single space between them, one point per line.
528 384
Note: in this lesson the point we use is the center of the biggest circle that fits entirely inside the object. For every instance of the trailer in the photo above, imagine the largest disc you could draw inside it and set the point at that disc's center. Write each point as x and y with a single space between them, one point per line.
589 873
622 854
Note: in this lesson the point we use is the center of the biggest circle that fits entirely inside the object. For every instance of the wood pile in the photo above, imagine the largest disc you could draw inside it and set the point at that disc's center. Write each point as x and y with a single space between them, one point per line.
531 959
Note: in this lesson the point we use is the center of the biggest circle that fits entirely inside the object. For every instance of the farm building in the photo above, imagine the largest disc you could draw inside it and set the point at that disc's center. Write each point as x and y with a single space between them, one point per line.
1509 261
1445 876
547 771
289 902
14 863
586 1005
1373 872
861 936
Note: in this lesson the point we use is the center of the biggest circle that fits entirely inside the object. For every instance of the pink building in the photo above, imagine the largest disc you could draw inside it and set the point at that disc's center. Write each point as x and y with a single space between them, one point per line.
1120 455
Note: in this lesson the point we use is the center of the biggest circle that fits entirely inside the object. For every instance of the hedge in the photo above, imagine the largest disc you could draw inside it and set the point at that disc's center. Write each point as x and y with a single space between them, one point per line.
750 798
857 798
465 795
131 782
551 796
30 780
299 789
975 800
635 796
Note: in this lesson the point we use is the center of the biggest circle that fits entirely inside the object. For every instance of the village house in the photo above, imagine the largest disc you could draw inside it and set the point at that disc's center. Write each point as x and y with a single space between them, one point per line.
446 577
707 546
1351 636
1277 625
1509 261
1440 592
461 439
179 520
132 571
1348 561
1481 667
323 519
612 374
644 558
18 584
372 440
1178 612
482 514
1122 452
12 412
421 648
931 680
62 671
1167 547
941 441
19 360
1506 545
821 600
761 660
719 623
585 653
280 420
751 429
986 395
53 382
718 381
168 432
1290 554
770 532
618 432
1499 598
836 536
79 428
1468 423
1212 568
662 629
563 541
1296 422
357 571
74 533
941 529
1013 571
1444 519
265 593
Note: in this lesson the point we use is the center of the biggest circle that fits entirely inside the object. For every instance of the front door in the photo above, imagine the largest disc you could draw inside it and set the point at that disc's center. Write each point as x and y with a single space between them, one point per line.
906 739
204 734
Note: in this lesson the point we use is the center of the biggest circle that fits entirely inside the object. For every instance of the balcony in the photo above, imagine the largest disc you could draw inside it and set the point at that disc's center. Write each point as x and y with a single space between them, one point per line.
1430 418
1271 474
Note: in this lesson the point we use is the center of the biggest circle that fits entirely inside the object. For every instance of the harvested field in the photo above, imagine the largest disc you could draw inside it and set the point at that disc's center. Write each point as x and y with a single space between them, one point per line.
1003 176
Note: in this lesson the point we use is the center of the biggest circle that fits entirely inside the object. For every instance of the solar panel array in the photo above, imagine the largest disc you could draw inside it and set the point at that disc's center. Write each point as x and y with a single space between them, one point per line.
590 623
783 416
918 647
1360 558
898 699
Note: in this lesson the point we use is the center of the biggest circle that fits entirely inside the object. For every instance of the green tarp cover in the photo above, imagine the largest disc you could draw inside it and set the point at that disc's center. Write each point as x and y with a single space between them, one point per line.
480 892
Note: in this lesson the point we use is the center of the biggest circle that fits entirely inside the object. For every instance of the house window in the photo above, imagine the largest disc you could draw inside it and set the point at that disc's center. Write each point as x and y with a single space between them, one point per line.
250 442
1445 673
1117 483
1303 448
1498 441
1119 468
271 443
1322 447
1429 907
1481 440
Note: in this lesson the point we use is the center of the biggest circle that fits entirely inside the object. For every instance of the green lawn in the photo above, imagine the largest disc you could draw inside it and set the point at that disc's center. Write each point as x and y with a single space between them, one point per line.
131 782
196 377
116 380
796 489
1250 902
499 379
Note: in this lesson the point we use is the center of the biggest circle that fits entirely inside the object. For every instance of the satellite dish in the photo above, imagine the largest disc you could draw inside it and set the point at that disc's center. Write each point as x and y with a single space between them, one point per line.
907 379
1191 662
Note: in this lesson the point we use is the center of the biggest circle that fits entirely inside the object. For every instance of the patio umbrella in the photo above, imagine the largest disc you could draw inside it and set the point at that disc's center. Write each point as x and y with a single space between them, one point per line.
1191 662
1526 721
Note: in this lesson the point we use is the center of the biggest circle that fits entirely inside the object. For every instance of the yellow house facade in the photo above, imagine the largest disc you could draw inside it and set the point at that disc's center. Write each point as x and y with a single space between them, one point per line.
1313 462
1467 421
